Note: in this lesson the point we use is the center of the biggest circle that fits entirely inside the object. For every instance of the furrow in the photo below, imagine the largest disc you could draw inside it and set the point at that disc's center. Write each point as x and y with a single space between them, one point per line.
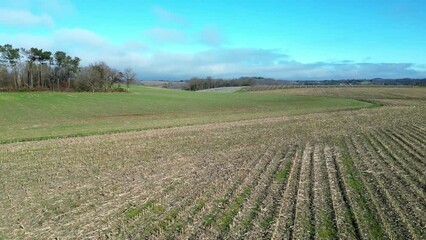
390 192
250 209
407 138
417 133
411 139
388 218
283 226
410 176
304 226
419 128
196 196
269 209
344 217
119 206
217 200
158 213
225 209
400 144
324 212
193 209
363 217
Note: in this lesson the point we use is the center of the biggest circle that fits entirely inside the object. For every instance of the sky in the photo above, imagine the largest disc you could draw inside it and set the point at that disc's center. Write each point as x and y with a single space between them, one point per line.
282 39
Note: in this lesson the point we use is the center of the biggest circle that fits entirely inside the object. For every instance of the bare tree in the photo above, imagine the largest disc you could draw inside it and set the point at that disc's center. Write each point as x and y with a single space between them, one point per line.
129 77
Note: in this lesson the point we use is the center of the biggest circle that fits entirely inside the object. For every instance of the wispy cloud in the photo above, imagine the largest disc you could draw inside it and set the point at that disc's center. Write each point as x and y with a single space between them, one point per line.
18 17
80 37
211 35
57 8
244 56
51 7
168 16
164 35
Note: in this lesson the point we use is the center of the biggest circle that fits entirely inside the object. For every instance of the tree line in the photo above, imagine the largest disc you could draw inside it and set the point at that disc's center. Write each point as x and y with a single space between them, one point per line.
195 84
37 69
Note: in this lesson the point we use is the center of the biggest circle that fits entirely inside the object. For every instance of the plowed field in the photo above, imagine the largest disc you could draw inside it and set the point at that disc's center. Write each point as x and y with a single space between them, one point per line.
357 174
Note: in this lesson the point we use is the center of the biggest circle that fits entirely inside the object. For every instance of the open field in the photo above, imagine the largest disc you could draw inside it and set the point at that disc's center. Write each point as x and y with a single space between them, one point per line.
357 174
29 116
385 95
360 92
222 89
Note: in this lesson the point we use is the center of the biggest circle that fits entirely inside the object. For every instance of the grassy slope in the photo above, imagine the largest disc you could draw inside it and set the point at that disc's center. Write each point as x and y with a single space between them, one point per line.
43 115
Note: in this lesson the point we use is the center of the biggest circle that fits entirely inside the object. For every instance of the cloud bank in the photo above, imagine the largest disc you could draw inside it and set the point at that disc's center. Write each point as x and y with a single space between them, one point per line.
267 63
151 63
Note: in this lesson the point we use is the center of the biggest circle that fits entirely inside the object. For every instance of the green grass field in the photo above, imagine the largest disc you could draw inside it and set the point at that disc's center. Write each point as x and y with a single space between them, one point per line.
30 116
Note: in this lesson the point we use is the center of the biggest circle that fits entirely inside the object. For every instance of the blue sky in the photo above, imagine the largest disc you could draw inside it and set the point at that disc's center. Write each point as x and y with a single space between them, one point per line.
299 39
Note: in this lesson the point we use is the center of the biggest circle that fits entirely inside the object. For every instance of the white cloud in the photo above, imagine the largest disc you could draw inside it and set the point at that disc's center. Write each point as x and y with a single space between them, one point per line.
233 63
151 63
65 39
26 40
135 46
17 17
80 38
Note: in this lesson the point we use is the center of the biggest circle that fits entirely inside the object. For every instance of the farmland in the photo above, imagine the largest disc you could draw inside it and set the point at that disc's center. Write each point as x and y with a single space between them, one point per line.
294 166
32 116
387 95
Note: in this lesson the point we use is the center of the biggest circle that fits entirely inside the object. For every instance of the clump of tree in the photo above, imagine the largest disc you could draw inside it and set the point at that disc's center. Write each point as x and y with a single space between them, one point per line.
10 63
196 84
36 69
101 77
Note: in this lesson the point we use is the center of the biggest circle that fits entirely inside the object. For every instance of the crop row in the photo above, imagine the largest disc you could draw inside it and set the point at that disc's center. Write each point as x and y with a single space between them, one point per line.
366 185
363 186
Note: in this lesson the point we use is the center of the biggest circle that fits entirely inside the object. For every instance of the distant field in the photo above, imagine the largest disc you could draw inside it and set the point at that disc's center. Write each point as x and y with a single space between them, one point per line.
350 92
222 89
296 169
47 114
154 83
